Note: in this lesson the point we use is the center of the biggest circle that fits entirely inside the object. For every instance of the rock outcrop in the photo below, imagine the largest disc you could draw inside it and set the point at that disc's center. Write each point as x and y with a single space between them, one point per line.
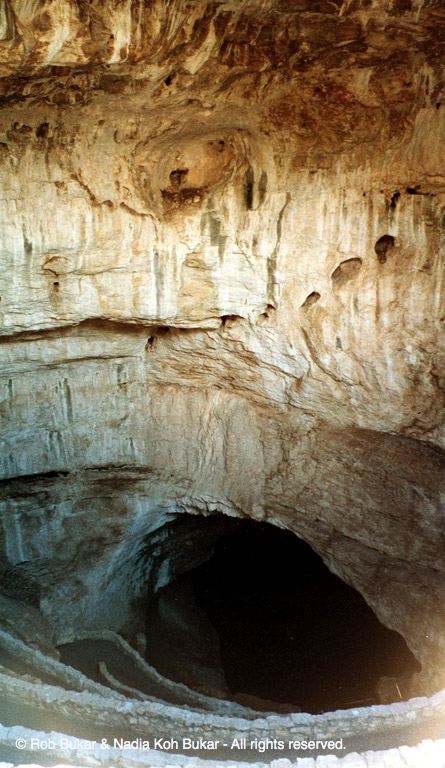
222 290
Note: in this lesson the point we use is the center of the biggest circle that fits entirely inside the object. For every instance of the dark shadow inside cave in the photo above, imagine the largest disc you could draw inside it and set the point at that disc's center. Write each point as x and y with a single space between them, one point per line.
282 626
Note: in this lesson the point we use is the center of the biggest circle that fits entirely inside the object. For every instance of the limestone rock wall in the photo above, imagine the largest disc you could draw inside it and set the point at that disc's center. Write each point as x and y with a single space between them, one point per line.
222 289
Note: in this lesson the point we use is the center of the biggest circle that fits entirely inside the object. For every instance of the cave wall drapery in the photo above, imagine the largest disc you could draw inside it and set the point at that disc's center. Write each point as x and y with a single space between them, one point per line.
222 290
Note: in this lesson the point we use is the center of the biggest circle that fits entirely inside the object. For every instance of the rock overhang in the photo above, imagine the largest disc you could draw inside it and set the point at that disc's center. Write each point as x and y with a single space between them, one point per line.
257 323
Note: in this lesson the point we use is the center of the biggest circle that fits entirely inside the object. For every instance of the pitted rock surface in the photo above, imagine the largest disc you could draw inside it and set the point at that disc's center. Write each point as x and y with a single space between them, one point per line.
222 291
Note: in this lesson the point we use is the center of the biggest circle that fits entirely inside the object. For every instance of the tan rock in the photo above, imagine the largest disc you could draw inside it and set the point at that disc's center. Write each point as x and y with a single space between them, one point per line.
222 290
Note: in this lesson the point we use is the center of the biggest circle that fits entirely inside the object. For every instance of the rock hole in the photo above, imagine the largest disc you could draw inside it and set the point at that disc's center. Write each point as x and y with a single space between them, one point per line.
310 300
56 285
394 200
248 191
382 246
158 331
42 130
169 79
260 619
266 314
178 176
227 321
413 190
345 272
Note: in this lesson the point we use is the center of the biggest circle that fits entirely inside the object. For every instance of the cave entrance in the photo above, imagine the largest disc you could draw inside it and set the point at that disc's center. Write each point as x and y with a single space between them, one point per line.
263 618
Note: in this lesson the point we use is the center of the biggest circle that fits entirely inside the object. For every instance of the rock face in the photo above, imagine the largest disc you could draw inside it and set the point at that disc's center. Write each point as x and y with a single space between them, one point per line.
222 289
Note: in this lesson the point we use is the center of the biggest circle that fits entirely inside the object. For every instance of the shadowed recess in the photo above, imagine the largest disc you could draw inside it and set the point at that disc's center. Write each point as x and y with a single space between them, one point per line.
286 629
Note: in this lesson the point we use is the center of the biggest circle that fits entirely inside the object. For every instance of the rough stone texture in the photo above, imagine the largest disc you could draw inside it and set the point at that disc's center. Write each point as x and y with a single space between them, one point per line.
27 623
222 290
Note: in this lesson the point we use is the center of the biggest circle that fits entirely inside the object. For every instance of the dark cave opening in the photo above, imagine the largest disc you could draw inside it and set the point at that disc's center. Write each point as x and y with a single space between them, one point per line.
282 626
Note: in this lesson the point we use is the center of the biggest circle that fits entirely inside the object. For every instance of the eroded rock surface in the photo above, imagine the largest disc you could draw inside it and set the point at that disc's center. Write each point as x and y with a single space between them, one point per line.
222 290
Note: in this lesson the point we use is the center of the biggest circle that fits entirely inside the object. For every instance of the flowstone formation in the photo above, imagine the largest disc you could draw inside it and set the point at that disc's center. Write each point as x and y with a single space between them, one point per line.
222 292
